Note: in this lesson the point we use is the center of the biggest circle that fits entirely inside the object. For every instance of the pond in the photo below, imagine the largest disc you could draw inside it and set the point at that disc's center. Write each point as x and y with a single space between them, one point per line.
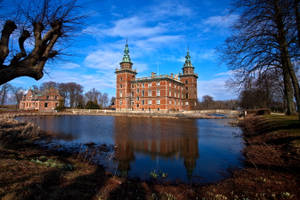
176 150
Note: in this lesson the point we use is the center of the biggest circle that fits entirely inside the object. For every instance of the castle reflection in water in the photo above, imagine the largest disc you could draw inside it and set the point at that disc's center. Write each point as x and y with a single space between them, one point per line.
157 139
146 144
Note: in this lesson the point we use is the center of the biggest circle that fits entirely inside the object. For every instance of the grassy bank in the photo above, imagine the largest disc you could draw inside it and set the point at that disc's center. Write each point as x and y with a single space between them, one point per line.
30 172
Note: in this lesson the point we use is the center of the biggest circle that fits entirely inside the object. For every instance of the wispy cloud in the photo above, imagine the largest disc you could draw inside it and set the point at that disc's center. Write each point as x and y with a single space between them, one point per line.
209 54
69 65
132 27
103 59
221 21
226 73
216 88
170 9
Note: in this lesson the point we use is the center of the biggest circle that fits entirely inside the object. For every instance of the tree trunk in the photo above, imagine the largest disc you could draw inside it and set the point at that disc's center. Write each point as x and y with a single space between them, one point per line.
284 53
288 93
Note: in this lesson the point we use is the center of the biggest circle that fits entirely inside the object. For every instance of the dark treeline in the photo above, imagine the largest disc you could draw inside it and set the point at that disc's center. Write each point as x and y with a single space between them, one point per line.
208 102
74 96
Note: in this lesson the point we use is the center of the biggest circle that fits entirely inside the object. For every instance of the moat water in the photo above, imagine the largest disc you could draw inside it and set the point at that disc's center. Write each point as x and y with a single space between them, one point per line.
176 150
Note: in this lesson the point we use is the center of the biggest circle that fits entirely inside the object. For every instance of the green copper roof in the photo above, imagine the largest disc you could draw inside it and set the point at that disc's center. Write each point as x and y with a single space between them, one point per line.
126 57
188 62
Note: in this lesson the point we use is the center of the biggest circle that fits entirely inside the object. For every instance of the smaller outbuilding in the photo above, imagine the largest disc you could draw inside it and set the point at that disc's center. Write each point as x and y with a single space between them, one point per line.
46 100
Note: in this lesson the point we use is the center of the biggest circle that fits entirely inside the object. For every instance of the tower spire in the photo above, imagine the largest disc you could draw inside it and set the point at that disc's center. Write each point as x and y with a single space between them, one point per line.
188 62
126 57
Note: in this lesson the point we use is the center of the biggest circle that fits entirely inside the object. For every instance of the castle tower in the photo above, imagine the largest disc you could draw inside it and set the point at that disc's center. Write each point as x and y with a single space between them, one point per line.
123 82
189 78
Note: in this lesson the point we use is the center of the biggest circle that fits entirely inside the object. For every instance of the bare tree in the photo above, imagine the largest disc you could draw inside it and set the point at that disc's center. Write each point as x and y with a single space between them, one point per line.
93 95
112 101
207 102
264 38
48 85
18 93
103 100
45 22
72 93
4 90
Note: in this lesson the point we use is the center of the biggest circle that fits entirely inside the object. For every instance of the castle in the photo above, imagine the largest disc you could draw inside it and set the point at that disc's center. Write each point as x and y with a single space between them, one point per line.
156 92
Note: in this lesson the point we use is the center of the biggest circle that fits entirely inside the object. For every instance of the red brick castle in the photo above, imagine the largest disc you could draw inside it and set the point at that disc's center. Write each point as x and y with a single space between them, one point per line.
157 92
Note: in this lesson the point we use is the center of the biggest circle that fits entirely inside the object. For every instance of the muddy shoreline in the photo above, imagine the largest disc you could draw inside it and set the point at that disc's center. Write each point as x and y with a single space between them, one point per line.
28 171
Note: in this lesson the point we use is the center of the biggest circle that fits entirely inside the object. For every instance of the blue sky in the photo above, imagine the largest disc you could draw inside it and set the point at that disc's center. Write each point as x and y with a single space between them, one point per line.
158 33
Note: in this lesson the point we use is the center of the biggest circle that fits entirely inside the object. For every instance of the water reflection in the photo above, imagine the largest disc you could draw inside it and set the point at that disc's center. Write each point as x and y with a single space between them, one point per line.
159 138
187 150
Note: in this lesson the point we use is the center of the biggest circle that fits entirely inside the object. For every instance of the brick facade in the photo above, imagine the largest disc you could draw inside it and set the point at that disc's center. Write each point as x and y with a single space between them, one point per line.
45 101
157 92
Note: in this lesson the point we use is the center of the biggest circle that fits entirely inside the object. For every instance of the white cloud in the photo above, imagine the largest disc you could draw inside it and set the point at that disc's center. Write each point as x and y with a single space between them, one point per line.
132 27
153 43
170 8
103 59
109 60
221 21
101 81
207 55
69 65
227 73
216 88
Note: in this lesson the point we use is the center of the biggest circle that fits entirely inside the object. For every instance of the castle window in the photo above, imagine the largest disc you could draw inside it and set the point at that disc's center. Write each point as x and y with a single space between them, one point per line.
157 102
138 90
186 81
170 102
158 93
170 92
47 97
121 79
138 98
46 105
120 85
149 93
143 102
143 85
143 93
149 102
132 94
170 84
186 88
187 103
158 83
186 95
55 97
120 102
120 94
